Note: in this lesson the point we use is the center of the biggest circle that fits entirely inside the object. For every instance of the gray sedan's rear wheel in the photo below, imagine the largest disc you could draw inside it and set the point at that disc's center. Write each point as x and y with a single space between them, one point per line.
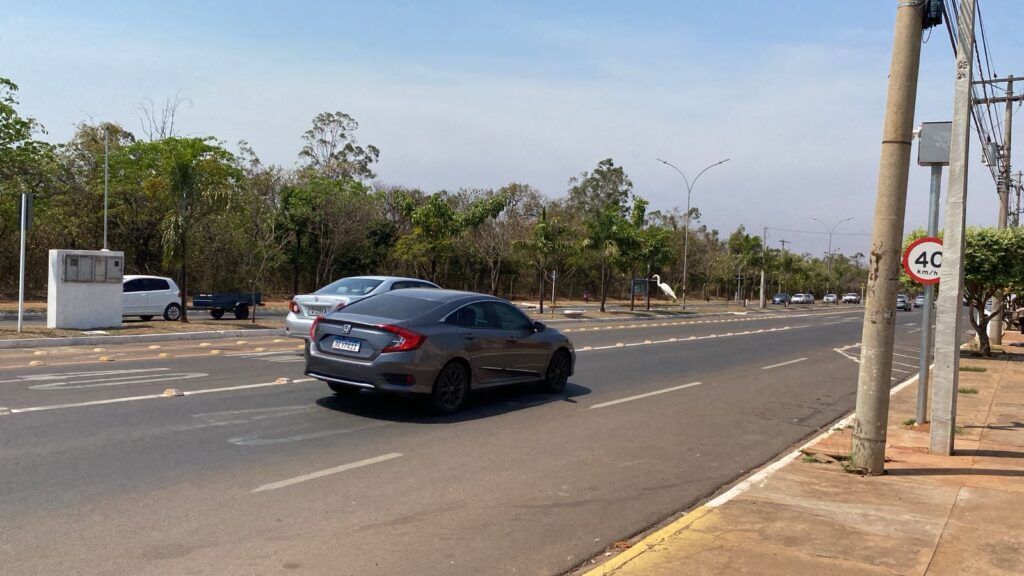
558 371
450 388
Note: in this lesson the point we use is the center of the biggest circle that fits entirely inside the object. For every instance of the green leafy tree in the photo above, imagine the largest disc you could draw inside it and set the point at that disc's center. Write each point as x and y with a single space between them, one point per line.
993 262
602 198
193 178
330 148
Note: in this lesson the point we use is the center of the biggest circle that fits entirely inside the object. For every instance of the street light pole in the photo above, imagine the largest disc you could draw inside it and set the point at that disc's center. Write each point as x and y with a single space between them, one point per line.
828 260
106 179
686 225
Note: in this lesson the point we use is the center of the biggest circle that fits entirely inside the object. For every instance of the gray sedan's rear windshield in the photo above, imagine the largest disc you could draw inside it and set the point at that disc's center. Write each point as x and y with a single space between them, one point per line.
392 305
350 287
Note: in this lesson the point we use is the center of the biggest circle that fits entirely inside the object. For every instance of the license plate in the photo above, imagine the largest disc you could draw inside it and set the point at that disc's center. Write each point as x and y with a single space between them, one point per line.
315 310
346 344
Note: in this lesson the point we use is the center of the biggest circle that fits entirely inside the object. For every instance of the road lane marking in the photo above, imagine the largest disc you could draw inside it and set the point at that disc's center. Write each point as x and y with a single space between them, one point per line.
118 381
646 395
66 375
327 472
904 364
780 364
149 397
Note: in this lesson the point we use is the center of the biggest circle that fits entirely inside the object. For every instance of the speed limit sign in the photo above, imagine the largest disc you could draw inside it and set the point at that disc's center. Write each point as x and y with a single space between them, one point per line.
923 259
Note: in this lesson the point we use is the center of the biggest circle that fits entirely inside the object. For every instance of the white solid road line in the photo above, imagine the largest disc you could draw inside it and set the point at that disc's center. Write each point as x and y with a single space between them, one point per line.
150 397
639 396
780 364
327 472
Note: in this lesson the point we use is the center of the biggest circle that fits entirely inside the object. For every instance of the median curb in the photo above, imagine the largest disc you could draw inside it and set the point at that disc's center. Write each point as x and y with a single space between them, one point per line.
134 338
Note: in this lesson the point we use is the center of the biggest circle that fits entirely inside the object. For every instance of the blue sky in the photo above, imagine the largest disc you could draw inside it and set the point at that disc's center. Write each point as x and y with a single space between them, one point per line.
479 94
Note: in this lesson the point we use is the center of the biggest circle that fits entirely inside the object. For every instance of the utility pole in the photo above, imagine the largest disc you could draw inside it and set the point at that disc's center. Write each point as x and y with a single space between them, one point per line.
951 275
764 262
106 179
995 325
874 379
784 242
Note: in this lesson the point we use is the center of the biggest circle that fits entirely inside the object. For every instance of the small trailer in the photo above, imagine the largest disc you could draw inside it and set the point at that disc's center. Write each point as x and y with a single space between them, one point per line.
220 302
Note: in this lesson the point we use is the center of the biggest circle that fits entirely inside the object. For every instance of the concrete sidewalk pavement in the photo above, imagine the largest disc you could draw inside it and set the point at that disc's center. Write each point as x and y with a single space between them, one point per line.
936 515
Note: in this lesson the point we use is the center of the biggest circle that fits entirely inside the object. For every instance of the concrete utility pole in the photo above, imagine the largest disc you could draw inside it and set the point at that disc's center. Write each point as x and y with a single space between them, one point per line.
106 180
951 276
875 375
995 326
764 262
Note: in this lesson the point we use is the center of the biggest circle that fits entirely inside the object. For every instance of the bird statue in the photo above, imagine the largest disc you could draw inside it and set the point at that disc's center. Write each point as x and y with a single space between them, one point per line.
664 287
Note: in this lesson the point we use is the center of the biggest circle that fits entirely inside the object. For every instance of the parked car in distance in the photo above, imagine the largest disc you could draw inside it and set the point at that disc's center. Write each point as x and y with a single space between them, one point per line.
796 299
851 298
919 301
780 298
305 307
149 296
440 344
903 303
831 299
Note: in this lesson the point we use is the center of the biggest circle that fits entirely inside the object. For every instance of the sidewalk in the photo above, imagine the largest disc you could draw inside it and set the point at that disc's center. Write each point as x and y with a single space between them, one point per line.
933 515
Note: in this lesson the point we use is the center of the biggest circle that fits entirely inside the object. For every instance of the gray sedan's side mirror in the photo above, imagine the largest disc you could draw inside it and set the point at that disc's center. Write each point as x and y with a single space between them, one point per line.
538 327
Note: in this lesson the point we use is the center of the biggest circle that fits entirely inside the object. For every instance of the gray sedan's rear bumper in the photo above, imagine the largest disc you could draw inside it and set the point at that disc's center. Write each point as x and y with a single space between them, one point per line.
379 374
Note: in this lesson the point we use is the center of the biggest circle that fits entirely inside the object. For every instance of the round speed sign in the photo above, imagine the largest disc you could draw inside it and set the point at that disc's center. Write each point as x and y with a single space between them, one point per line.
923 259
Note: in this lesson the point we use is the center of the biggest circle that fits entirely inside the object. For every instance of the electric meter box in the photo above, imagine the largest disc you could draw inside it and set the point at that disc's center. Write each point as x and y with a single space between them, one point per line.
84 289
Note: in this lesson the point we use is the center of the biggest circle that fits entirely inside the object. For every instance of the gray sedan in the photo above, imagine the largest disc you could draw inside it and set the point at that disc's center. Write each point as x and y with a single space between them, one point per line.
435 343
338 294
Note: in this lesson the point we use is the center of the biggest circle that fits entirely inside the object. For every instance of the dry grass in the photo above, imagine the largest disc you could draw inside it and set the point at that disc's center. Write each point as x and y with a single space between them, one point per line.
202 324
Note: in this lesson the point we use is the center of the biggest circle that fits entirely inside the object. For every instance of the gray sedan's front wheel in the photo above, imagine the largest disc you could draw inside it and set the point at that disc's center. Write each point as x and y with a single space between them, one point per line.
558 372
451 387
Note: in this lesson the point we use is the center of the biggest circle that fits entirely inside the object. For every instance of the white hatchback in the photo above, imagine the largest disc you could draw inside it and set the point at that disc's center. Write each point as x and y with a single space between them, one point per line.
149 296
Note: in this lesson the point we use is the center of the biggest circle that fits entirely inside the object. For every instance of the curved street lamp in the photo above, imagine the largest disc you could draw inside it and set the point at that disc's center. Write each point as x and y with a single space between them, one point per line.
828 261
686 226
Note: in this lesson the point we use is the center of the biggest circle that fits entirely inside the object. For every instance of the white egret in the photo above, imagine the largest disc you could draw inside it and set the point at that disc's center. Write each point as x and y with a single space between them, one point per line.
664 287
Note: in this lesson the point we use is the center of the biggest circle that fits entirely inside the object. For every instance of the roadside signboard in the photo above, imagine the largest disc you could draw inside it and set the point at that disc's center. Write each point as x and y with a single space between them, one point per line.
922 260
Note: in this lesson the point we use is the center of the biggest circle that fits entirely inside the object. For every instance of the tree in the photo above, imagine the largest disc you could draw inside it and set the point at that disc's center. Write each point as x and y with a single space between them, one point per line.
993 262
194 177
602 198
549 246
330 148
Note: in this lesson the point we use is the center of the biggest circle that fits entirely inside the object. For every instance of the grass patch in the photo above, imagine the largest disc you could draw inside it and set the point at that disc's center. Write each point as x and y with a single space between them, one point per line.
959 430
973 369
809 459
964 390
909 422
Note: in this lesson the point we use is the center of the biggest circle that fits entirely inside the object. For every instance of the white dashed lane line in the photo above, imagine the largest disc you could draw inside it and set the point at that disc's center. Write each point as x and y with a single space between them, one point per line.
781 364
327 472
646 395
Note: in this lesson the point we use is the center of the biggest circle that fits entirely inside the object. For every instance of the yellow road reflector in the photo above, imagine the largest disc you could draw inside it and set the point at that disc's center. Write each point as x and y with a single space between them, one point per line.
99 349
173 392
204 344
215 351
259 349
39 353
164 355
241 342
37 363
154 347
283 380
106 358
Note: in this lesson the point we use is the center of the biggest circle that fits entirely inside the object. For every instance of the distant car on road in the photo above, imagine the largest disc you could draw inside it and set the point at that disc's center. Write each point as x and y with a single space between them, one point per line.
803 298
149 296
903 303
338 294
831 299
780 298
441 344
851 298
919 301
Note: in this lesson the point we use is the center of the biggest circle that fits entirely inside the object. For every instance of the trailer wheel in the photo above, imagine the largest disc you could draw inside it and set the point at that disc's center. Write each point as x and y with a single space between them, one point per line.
242 311
216 313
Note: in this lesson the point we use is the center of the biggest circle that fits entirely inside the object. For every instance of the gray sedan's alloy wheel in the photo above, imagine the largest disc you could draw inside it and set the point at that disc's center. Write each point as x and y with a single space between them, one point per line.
558 371
450 388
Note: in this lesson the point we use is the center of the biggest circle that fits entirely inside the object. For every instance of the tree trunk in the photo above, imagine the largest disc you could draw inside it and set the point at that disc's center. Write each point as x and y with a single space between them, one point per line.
980 326
604 284
184 281
540 290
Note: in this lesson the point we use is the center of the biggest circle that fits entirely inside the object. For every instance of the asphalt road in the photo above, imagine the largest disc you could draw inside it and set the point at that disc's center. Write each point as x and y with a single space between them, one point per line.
242 475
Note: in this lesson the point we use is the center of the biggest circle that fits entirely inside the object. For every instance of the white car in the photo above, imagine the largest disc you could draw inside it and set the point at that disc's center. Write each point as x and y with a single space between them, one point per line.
851 298
802 299
830 299
149 296
338 294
